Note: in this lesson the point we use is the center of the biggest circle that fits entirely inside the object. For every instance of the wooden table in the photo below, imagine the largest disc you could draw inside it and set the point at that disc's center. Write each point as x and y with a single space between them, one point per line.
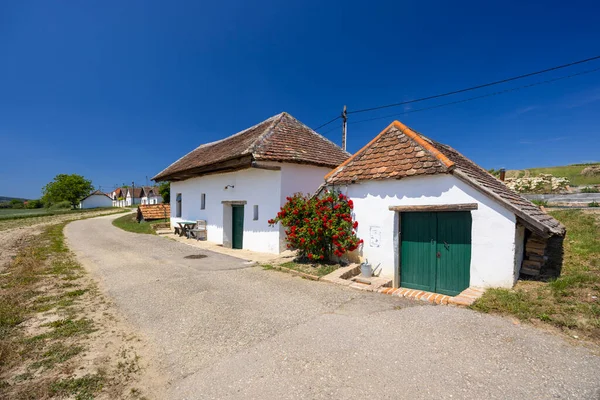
185 226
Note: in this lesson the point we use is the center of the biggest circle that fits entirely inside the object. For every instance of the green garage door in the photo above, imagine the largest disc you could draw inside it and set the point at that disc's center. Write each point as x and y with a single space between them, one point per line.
435 252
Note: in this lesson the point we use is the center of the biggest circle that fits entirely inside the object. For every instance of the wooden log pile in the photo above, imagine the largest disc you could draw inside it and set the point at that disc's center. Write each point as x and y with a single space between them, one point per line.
154 211
535 256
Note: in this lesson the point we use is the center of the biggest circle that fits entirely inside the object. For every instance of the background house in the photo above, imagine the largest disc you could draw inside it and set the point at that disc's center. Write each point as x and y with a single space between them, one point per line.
133 196
435 221
118 197
96 199
150 195
237 184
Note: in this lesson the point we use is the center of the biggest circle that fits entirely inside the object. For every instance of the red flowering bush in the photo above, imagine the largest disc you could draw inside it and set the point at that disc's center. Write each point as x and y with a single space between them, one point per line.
319 227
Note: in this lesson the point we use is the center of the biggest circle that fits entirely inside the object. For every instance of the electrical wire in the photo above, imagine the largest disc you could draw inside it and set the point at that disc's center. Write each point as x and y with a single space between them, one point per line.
475 87
476 97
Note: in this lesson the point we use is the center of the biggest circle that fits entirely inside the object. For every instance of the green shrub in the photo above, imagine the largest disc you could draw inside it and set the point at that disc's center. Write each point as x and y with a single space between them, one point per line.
594 204
319 227
32 204
61 205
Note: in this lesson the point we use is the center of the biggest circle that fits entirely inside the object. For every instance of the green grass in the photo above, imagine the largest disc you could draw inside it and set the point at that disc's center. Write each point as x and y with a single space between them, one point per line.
571 172
129 224
308 268
566 302
82 388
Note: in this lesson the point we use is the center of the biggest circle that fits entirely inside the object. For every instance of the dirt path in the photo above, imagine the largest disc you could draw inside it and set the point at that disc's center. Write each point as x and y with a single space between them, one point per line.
227 331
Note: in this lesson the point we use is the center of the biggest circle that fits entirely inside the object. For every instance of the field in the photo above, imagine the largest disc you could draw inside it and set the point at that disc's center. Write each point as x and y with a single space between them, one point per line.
571 172
570 302
11 213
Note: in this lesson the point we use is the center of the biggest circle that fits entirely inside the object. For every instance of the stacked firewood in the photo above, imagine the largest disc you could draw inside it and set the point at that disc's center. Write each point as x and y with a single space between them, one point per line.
535 256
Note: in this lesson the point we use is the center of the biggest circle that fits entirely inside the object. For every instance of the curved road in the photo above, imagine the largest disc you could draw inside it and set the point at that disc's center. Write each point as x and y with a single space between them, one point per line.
224 330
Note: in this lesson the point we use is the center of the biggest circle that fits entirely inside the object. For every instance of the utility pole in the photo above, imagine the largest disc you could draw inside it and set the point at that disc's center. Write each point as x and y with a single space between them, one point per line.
132 193
344 126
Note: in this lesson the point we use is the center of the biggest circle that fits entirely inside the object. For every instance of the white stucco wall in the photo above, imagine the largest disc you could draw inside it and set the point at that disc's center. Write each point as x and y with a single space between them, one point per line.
96 201
519 250
255 186
265 188
493 227
300 178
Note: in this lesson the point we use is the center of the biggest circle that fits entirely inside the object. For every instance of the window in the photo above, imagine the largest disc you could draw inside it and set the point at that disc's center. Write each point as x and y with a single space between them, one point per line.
203 201
178 210
255 213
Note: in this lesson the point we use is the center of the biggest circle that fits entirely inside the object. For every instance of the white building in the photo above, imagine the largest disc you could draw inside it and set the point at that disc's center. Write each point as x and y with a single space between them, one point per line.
133 196
237 184
150 195
118 197
435 221
96 199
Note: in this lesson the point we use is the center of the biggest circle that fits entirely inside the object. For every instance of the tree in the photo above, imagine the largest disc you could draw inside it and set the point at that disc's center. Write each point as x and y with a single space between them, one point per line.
164 188
34 204
71 188
15 203
319 227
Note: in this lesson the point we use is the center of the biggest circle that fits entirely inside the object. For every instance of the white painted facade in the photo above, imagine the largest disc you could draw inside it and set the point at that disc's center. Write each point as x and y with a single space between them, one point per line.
151 199
264 188
128 199
96 201
497 239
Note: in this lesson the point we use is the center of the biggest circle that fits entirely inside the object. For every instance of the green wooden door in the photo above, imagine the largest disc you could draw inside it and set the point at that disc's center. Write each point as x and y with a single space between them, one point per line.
418 262
435 252
454 250
237 228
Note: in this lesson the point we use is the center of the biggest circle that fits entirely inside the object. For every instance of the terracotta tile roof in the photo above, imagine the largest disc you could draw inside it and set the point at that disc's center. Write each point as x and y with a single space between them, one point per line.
155 211
399 152
137 192
280 138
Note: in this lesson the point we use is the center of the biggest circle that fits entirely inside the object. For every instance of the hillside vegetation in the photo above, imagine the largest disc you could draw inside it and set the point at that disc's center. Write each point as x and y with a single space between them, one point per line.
571 172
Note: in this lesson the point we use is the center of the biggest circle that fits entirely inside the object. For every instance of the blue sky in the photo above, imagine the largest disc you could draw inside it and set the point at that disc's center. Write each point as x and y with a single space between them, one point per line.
116 91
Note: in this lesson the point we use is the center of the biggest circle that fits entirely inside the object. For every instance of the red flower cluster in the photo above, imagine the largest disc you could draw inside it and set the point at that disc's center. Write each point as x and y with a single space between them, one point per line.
319 227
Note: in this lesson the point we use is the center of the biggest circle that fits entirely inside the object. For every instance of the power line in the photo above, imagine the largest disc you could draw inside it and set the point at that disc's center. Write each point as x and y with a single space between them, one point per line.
327 123
332 129
472 88
478 97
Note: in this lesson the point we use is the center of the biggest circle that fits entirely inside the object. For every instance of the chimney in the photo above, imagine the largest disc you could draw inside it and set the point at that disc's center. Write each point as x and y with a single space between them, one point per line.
502 174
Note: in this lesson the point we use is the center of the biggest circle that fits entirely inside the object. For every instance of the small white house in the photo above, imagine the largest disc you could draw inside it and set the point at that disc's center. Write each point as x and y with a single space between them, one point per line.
118 197
133 196
237 184
150 195
435 221
96 199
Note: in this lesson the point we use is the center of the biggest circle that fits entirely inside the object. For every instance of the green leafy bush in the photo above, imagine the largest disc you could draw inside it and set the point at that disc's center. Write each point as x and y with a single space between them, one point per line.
62 205
594 204
319 227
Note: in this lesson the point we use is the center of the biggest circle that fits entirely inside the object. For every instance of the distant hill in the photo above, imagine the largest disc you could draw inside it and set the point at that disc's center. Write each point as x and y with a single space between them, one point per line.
4 198
571 172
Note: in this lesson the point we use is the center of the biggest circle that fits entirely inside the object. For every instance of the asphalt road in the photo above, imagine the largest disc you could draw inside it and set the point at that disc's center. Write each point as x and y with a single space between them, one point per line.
224 330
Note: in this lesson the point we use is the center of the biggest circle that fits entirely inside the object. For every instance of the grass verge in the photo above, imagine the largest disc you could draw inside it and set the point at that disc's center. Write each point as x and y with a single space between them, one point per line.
570 302
129 224
48 328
